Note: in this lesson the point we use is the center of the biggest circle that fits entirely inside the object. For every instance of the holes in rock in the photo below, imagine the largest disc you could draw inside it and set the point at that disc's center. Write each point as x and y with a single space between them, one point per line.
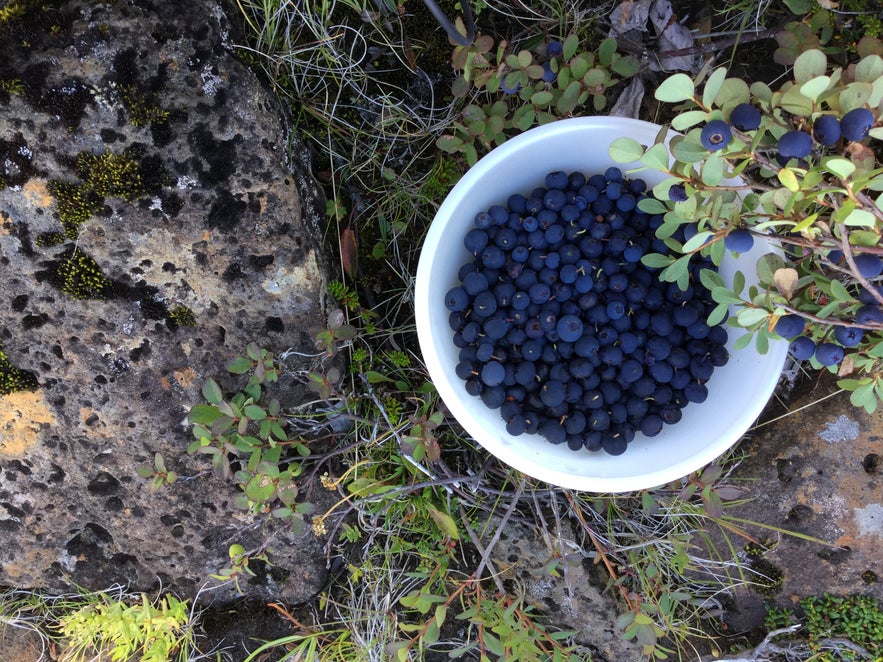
870 577
800 513
871 463
103 483
834 555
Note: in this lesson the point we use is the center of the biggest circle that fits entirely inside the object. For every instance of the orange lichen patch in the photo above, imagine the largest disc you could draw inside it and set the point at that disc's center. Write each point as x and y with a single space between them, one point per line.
22 415
36 193
185 377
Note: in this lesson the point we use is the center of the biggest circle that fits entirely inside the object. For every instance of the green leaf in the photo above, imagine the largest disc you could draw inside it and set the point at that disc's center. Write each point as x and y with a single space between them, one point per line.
254 412
625 150
843 168
839 292
688 119
856 95
606 51
788 179
713 170
860 218
445 523
656 157
374 377
203 414
750 316
211 391
240 365
675 89
816 87
651 206
713 86
656 260
570 45
542 98
808 65
259 488
689 151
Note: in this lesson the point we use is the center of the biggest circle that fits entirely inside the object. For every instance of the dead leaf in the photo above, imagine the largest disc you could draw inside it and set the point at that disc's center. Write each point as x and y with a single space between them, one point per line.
672 36
785 281
349 252
629 15
846 366
629 102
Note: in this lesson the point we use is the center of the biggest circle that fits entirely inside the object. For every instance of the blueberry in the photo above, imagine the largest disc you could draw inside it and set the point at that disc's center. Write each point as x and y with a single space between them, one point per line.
789 326
867 297
848 336
802 348
612 174
869 314
509 89
745 117
554 48
549 76
516 425
715 135
492 373
795 145
696 392
651 425
829 354
553 431
868 265
857 123
677 193
826 130
739 240
569 328
456 299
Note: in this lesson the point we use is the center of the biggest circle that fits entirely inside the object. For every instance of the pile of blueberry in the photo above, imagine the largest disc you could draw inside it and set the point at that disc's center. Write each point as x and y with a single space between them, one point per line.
561 327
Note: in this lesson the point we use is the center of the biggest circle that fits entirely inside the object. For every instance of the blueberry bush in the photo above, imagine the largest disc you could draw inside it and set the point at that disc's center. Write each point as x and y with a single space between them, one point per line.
798 167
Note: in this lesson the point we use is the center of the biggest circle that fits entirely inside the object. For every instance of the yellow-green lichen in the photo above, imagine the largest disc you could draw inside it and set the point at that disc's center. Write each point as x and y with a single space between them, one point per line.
142 111
13 379
80 277
101 175
13 10
181 315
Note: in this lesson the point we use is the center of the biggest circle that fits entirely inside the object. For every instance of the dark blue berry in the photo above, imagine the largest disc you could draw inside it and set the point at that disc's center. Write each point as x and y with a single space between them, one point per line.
803 348
745 117
569 328
739 240
554 48
549 76
677 193
789 326
857 123
828 354
456 299
826 130
715 135
848 336
868 265
795 145
869 314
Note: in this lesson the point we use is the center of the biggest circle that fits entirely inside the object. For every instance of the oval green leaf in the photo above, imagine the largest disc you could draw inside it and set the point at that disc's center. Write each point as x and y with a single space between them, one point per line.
675 89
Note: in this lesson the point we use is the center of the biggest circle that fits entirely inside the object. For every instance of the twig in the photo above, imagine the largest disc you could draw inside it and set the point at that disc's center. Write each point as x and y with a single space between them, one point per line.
485 558
761 648
481 550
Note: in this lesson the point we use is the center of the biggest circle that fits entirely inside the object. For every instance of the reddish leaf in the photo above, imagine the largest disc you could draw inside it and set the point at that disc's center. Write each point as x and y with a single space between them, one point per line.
349 252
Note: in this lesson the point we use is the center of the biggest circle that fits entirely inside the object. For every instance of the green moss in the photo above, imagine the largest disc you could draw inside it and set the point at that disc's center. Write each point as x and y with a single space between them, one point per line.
142 111
47 239
12 85
102 175
181 315
13 379
80 277
13 10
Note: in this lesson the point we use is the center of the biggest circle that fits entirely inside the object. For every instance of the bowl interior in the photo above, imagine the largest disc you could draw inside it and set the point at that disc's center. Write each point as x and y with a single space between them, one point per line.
737 392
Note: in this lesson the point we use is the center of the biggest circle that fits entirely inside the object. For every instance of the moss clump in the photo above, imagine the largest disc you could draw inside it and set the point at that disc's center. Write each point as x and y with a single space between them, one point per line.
142 111
102 175
80 277
181 315
48 239
13 379
12 85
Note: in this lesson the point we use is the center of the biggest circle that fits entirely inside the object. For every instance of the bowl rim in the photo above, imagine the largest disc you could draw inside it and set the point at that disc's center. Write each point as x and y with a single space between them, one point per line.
428 334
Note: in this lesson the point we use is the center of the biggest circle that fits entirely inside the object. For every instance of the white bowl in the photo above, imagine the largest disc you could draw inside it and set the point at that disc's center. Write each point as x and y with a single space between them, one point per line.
737 392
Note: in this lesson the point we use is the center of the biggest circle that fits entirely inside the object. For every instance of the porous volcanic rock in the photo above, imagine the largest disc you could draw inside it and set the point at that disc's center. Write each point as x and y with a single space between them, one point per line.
152 223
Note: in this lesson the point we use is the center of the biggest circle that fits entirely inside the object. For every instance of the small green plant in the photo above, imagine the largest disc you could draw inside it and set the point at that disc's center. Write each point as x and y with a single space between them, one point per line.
808 178
158 473
828 620
145 631
248 426
527 88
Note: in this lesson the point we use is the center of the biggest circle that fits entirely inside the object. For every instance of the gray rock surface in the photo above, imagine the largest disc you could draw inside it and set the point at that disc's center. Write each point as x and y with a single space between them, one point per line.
151 225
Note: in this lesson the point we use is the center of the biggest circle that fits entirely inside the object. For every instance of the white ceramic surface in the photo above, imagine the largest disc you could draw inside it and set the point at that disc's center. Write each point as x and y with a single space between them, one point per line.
737 392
